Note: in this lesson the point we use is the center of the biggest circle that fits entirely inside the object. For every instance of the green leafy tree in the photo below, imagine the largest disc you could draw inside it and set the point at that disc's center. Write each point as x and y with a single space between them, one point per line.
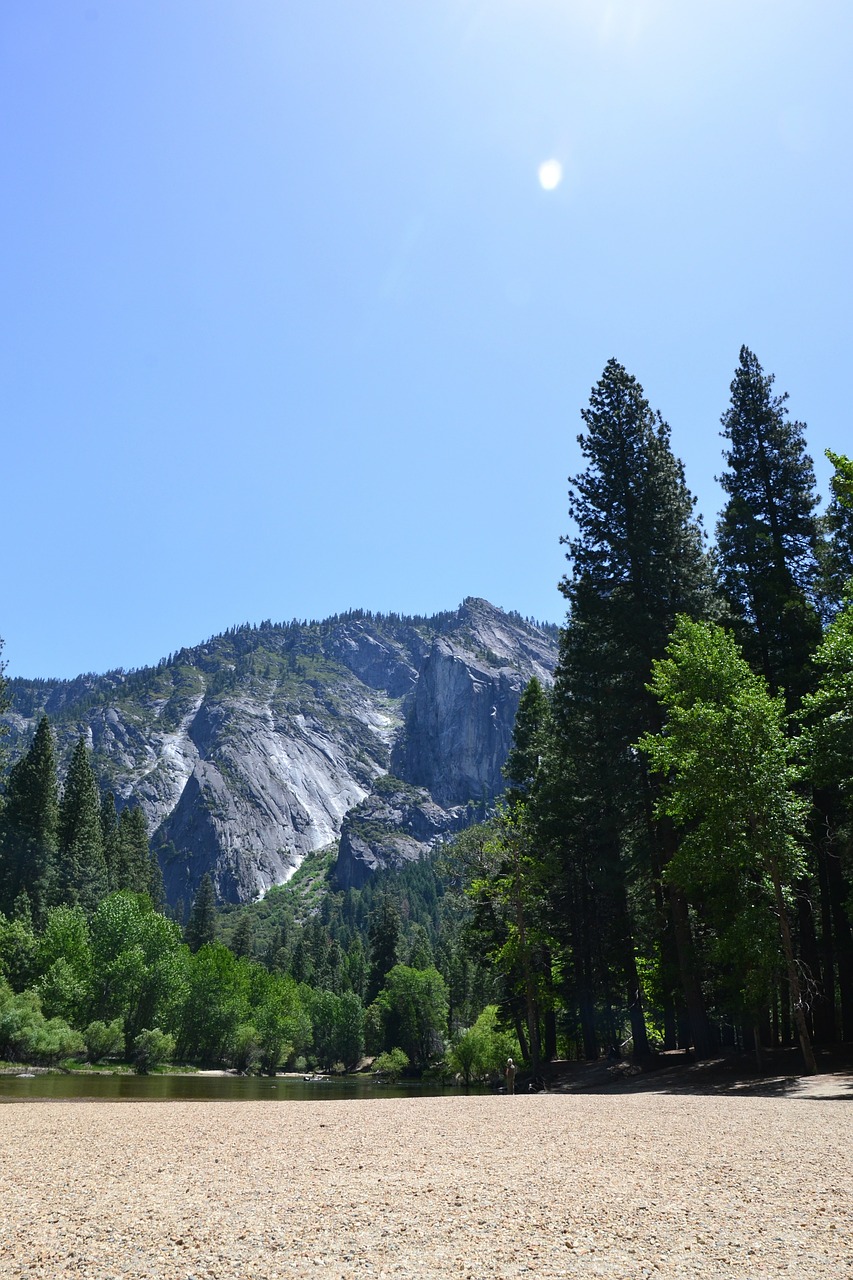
64 963
836 551
282 1022
82 870
826 749
18 949
138 964
28 833
242 942
528 742
413 1009
767 534
27 1036
216 1003
724 753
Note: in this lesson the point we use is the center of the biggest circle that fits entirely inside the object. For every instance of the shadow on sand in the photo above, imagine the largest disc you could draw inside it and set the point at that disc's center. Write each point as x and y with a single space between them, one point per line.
731 1074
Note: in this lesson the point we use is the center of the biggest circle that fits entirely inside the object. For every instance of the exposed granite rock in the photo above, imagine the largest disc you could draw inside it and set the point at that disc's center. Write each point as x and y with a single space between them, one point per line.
397 823
249 751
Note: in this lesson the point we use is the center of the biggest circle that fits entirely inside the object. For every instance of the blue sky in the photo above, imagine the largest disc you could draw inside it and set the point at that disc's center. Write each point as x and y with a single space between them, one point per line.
289 324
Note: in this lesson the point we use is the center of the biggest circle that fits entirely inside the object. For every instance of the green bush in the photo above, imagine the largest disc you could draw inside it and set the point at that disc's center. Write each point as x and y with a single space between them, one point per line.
391 1064
104 1039
27 1036
151 1048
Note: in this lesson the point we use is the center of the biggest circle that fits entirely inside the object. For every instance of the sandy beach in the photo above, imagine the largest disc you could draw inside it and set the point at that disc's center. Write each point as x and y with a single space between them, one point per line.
619 1186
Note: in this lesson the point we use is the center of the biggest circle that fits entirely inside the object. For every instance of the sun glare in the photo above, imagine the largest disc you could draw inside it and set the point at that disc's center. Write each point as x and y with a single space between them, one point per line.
550 175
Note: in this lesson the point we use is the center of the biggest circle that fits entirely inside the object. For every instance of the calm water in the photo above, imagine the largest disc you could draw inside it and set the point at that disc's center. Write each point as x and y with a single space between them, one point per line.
206 1088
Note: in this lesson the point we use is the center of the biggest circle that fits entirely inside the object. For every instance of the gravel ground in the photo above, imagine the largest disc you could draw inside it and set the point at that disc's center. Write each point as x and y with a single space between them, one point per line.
622 1187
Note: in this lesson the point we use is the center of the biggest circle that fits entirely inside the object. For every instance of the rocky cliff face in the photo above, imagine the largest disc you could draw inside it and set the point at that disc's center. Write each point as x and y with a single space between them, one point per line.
267 743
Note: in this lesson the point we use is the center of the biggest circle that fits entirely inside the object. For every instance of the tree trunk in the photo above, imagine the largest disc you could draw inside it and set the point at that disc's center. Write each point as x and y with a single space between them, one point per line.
700 1029
793 977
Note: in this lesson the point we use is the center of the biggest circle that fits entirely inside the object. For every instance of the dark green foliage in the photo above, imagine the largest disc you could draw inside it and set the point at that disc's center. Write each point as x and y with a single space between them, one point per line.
201 926
133 863
81 868
528 742
156 888
637 562
243 937
836 549
109 837
384 944
28 827
767 532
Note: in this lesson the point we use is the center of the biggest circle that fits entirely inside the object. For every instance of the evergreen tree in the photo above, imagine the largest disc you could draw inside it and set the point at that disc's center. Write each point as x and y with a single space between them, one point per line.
836 551
242 943
109 836
82 870
384 943
29 825
156 887
4 703
767 533
528 741
637 560
201 926
133 864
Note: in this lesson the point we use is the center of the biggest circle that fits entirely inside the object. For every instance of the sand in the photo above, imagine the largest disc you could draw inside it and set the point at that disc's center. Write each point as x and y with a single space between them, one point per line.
542 1185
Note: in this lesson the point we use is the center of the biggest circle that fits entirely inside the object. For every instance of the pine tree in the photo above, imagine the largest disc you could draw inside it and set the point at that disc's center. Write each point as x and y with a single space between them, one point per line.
767 534
637 560
29 826
522 762
384 937
156 887
243 940
109 837
201 926
133 861
81 868
4 703
836 550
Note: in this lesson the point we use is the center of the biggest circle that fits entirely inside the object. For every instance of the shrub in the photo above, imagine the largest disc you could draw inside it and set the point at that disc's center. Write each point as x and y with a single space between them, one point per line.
391 1064
150 1048
104 1039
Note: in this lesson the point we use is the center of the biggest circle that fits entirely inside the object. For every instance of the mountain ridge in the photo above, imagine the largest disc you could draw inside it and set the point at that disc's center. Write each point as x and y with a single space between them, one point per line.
249 750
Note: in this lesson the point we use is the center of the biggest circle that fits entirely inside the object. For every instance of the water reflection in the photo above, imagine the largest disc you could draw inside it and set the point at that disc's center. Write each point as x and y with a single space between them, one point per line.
202 1088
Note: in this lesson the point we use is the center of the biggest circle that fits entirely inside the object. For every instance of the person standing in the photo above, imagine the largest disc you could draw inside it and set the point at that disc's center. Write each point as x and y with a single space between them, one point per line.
509 1075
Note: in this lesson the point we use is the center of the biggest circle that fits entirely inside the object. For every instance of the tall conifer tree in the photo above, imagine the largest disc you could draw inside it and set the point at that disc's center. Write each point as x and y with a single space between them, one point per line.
767 534
637 560
82 870
201 926
29 826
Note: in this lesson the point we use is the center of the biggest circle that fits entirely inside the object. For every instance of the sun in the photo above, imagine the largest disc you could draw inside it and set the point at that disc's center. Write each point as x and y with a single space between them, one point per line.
550 175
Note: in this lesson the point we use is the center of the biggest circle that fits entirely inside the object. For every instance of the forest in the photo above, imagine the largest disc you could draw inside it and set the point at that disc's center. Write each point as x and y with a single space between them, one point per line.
669 867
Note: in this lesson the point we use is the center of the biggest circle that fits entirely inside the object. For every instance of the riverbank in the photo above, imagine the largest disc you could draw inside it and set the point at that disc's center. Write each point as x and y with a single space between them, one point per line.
613 1186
